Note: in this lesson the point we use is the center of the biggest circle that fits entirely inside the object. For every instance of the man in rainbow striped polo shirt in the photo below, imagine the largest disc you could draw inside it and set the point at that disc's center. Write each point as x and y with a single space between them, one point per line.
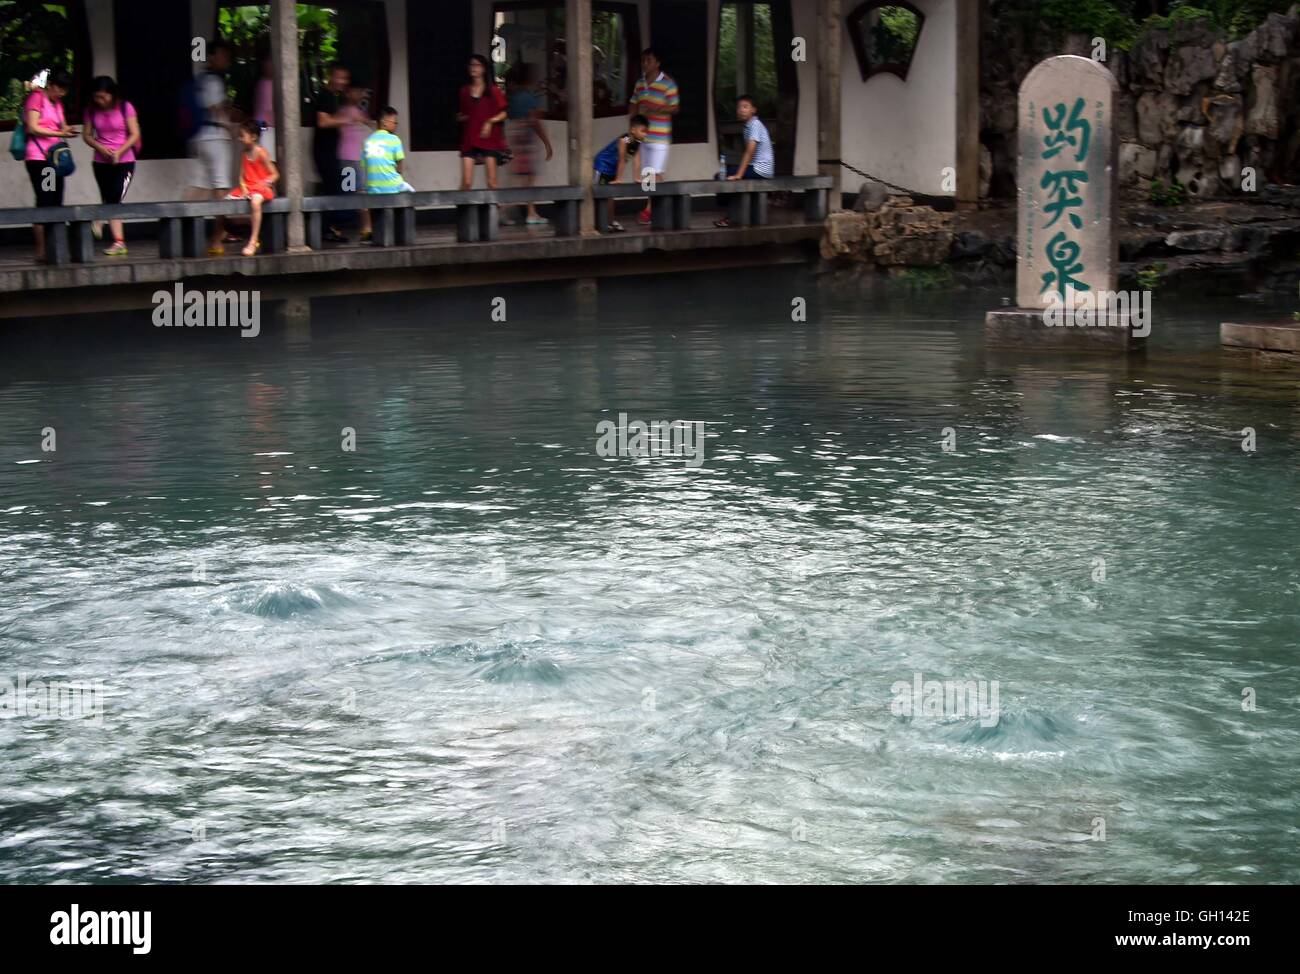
655 96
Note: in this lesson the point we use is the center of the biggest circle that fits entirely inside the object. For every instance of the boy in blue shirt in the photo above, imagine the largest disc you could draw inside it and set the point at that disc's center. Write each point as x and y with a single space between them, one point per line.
611 160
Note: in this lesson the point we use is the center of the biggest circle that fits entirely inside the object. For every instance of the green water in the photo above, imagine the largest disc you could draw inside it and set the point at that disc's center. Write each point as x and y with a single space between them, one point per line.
475 650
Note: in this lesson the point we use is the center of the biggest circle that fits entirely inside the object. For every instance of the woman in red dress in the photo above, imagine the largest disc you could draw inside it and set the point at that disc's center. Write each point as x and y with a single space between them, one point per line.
482 116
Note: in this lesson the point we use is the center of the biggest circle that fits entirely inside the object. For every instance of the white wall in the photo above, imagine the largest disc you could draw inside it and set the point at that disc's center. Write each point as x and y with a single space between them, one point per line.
903 132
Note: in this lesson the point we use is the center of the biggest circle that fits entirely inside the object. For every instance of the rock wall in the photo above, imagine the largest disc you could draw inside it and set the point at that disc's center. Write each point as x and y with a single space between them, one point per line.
895 232
1194 105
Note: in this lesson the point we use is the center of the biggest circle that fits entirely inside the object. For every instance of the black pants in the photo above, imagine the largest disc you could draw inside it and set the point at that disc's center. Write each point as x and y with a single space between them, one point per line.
331 176
331 184
113 180
43 174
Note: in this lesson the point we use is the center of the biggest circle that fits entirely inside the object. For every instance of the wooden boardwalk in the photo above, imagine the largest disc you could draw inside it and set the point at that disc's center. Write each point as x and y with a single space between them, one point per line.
436 259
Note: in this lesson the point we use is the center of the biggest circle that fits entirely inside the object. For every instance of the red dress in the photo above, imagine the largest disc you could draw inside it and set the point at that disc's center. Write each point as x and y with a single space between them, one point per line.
479 110
255 176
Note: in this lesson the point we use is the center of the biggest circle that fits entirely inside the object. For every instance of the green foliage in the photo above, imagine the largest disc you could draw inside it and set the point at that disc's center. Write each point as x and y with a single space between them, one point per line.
33 36
1111 19
1172 193
893 39
765 86
1118 20
1237 17
248 29
1180 14
923 278
1148 278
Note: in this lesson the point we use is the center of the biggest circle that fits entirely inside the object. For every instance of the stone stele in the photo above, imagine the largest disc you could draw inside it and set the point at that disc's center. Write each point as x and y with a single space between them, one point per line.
1067 170
1067 208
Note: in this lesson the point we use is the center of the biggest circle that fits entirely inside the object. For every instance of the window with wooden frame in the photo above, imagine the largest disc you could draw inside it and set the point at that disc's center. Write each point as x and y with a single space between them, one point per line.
528 51
36 37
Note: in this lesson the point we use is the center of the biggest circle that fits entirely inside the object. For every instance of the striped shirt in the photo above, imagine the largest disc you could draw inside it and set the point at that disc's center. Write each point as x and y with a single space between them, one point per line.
651 100
763 162
382 152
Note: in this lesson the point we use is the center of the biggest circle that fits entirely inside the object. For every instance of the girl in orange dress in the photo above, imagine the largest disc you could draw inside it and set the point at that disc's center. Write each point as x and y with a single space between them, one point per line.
257 178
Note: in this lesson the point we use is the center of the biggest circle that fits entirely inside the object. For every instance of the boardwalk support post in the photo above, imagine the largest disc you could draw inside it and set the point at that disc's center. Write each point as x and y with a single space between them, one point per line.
577 44
829 47
288 107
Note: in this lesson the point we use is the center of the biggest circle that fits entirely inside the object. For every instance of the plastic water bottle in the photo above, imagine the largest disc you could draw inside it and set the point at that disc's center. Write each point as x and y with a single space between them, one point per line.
722 166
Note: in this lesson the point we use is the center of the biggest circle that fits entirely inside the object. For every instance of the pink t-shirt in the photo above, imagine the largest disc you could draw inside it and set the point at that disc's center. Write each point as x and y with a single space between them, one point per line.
111 129
264 102
38 146
354 134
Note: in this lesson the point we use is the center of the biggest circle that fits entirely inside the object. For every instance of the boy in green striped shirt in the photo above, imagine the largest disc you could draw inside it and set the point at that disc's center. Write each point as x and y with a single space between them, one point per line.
383 155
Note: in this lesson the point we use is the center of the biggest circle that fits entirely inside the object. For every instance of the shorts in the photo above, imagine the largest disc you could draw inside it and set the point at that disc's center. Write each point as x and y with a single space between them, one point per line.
478 155
36 172
750 173
113 180
213 163
654 156
599 178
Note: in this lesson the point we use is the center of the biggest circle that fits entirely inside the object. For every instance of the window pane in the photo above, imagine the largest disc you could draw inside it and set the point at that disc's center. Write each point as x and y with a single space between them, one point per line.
39 36
528 50
610 57
524 54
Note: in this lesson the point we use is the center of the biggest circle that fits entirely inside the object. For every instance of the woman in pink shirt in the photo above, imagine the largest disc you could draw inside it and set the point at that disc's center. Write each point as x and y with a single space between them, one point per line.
113 131
45 126
352 136
264 104
264 94
354 131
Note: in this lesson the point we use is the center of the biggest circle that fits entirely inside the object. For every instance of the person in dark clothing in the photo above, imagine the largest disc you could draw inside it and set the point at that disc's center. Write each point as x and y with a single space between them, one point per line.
325 138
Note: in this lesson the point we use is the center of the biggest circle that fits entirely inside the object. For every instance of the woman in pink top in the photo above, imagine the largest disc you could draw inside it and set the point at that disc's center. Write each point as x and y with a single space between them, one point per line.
113 131
352 136
45 126
264 104
264 94
355 130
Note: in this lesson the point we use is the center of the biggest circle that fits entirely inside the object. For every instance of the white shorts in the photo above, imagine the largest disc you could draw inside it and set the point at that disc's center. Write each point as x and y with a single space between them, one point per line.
654 156
212 163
